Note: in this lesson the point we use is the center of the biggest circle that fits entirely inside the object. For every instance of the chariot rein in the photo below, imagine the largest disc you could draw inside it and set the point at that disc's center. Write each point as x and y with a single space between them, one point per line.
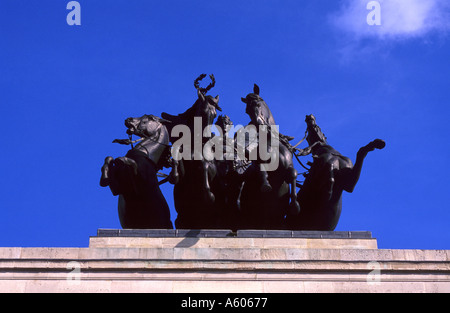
165 177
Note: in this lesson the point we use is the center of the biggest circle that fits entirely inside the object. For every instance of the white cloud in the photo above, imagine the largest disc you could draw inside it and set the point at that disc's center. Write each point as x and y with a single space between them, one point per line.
400 19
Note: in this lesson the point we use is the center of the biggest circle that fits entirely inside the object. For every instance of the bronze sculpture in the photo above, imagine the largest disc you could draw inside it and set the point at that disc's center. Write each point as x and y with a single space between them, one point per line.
194 175
226 182
331 173
134 177
267 195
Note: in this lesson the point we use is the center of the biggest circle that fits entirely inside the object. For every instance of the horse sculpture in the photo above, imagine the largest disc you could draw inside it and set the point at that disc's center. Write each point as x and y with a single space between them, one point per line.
250 181
134 177
266 196
331 173
193 174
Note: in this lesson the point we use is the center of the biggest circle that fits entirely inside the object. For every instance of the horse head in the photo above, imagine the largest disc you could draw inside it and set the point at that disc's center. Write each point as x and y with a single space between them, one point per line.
206 106
146 126
154 141
315 134
225 123
257 109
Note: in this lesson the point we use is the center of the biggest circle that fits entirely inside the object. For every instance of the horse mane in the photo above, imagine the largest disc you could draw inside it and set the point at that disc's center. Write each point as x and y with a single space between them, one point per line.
270 118
182 118
185 118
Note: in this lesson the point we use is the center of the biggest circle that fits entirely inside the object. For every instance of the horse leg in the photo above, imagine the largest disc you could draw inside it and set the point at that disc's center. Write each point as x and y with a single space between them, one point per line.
174 176
177 171
109 176
125 172
263 176
353 175
329 183
106 175
117 173
209 196
238 198
294 206
322 177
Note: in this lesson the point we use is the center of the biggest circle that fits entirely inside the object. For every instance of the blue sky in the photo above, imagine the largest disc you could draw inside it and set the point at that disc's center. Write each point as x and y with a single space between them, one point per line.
66 90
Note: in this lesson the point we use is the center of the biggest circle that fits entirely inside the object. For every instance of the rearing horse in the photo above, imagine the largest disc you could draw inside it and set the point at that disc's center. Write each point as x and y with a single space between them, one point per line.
331 173
193 175
134 177
267 195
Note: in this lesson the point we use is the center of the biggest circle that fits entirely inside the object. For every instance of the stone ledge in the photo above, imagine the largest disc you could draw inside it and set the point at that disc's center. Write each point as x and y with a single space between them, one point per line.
224 233
363 255
214 269
230 243
155 266
169 285
188 276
